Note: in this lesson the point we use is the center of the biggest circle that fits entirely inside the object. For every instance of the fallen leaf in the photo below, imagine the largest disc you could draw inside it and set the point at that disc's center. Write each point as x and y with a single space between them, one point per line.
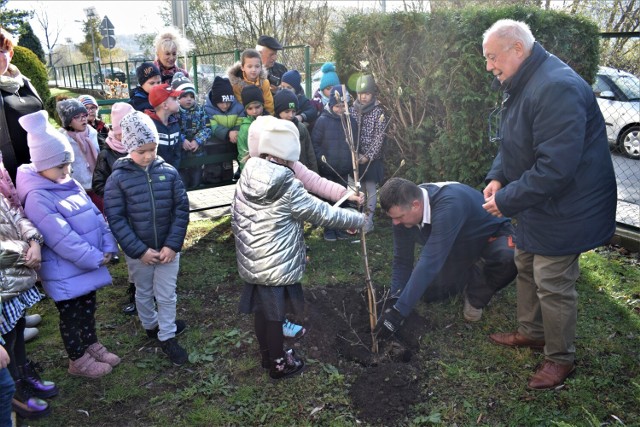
316 410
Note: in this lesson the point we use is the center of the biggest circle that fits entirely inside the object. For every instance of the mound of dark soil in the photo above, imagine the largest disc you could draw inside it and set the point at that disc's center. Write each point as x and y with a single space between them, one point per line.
383 385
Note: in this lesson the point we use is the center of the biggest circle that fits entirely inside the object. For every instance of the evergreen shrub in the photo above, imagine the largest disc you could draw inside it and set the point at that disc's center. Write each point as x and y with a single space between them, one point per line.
432 78
31 67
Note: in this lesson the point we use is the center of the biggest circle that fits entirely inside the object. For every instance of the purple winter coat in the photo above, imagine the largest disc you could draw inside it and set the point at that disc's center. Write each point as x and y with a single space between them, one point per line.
76 236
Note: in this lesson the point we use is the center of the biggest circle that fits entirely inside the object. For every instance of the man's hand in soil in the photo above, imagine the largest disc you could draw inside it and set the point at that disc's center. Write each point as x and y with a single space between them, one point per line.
389 323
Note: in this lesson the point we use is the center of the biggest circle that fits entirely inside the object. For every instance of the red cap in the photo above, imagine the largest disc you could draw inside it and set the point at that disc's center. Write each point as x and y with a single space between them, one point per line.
160 93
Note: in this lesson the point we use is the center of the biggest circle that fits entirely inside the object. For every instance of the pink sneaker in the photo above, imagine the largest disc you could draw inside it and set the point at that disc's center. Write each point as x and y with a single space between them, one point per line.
101 354
88 367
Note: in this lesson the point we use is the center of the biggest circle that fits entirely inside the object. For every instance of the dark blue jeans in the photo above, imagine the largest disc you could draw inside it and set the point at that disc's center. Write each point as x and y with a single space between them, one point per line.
7 388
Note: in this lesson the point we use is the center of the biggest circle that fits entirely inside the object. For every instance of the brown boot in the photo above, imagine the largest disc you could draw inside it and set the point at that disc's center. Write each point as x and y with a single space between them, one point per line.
88 367
550 375
516 339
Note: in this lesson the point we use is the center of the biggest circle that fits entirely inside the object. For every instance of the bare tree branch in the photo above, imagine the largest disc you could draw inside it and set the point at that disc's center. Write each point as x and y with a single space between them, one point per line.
51 35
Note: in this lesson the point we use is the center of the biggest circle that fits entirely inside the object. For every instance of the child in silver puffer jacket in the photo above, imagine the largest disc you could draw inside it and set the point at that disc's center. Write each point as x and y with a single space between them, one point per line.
268 211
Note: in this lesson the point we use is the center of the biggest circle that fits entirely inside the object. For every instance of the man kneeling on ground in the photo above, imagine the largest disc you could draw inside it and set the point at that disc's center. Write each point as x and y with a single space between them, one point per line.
464 249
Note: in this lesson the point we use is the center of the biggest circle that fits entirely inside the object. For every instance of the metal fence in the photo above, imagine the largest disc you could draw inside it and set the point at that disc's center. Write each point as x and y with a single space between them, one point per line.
618 95
115 79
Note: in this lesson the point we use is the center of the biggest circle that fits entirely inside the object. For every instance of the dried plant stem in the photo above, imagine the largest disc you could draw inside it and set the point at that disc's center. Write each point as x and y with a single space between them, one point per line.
371 292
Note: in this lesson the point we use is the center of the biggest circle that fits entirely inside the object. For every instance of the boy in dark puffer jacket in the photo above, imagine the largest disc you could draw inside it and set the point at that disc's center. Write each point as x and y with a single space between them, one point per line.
148 76
151 229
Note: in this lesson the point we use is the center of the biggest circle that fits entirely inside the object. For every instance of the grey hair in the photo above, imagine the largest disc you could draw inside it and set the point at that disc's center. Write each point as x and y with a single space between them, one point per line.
511 30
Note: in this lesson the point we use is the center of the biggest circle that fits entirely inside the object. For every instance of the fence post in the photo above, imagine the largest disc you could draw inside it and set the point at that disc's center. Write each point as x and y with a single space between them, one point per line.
194 67
75 75
91 82
307 71
236 54
126 70
82 76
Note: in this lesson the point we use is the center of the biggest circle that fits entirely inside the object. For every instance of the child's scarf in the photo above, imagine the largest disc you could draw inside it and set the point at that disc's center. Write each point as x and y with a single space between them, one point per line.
87 148
114 144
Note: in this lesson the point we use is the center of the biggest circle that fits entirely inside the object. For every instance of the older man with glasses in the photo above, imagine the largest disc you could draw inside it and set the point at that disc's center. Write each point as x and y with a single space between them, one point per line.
554 175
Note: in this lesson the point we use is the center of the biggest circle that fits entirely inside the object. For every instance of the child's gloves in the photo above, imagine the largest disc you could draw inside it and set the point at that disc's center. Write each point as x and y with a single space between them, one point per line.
389 323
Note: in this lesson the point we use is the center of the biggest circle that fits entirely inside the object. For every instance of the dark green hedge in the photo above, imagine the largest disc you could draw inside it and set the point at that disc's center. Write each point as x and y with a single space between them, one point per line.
433 80
31 67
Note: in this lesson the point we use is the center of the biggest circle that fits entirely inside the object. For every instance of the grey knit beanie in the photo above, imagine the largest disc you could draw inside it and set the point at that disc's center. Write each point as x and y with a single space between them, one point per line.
69 108
182 82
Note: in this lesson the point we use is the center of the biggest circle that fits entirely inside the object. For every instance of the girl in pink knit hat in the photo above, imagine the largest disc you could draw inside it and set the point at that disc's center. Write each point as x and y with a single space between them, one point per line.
113 149
77 243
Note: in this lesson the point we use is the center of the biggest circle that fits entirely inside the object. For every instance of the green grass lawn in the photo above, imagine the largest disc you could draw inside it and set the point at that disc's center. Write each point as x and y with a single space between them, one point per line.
460 378
57 91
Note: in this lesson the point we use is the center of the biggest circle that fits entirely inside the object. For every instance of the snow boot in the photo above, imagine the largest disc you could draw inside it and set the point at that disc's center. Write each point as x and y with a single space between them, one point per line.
287 366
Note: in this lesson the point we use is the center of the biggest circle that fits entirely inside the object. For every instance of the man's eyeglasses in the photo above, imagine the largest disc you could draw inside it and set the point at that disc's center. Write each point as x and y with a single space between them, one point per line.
82 116
495 121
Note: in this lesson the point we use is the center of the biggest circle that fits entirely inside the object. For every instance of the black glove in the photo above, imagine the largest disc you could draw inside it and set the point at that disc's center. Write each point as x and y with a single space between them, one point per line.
389 323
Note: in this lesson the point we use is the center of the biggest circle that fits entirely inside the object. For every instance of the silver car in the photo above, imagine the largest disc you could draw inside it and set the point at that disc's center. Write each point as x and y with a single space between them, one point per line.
618 94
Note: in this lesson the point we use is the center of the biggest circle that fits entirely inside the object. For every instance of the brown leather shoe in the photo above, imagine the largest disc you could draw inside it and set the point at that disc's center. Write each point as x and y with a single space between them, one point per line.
550 375
516 339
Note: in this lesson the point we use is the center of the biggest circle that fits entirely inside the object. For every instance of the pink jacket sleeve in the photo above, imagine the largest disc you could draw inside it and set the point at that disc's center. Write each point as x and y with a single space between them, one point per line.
317 185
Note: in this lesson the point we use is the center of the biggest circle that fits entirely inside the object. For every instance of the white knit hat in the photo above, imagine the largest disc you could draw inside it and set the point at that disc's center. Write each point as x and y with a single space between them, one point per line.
137 129
47 146
118 111
253 136
279 138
